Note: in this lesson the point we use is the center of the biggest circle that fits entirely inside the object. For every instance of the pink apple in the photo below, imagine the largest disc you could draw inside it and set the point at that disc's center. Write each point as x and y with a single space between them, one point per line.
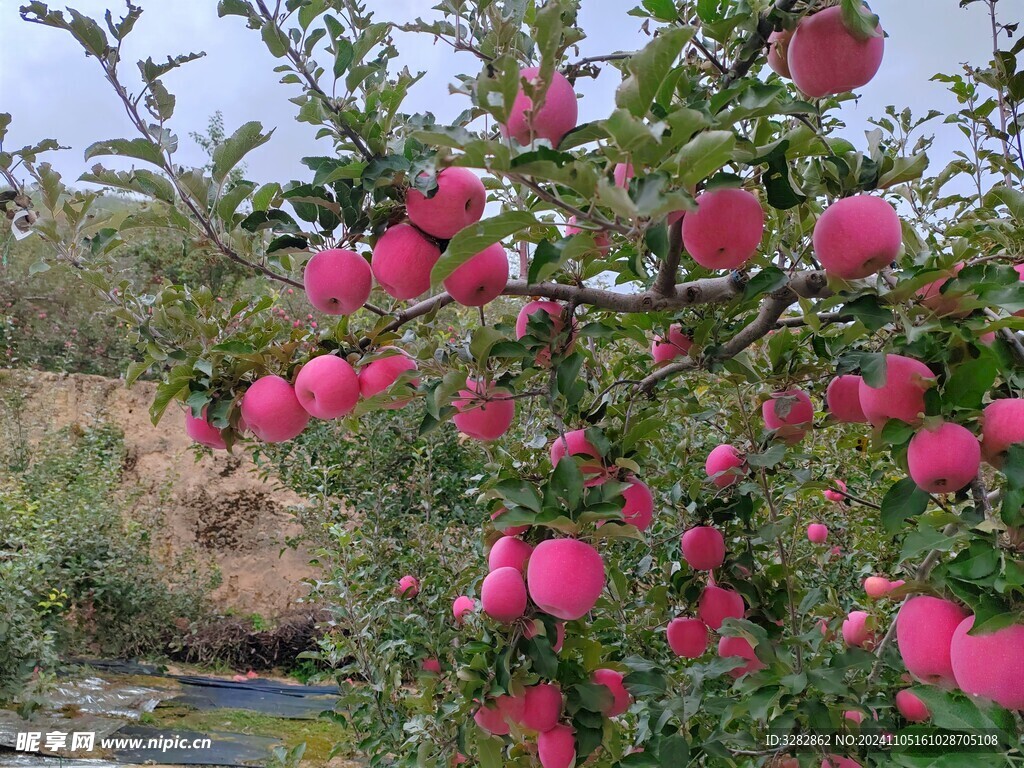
856 632
503 594
638 509
272 411
509 552
408 587
676 345
991 665
431 666
853 716
480 279
623 173
717 604
924 631
943 303
835 761
724 465
789 414
817 533
327 387
491 720
556 748
462 607
843 399
687 637
739 647
458 202
513 530
827 58
578 445
911 707
837 495
402 261
543 707
601 239
857 236
555 118
483 412
380 375
202 431
944 459
612 680
876 587
1002 425
337 281
703 548
725 230
565 577
778 51
901 396
556 312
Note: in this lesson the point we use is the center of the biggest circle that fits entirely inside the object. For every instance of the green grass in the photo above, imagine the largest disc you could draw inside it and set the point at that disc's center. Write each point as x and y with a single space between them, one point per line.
319 736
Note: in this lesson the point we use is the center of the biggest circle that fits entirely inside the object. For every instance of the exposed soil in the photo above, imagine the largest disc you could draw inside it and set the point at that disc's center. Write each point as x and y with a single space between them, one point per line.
215 509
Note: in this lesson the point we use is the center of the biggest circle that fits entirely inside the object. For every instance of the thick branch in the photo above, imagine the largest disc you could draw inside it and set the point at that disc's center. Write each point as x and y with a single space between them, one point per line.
666 280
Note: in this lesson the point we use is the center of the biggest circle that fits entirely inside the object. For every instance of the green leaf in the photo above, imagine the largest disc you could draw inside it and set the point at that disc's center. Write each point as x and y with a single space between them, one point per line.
648 69
904 169
567 482
275 39
139 149
769 458
230 152
971 381
177 382
1013 199
674 752
519 492
342 57
473 239
862 23
902 501
870 311
703 155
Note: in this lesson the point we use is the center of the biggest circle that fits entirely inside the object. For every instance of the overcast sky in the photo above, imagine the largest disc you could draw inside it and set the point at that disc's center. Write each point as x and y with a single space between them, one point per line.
53 91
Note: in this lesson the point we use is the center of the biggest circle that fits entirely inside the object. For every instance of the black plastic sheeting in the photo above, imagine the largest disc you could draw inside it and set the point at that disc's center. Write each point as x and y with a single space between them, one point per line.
293 702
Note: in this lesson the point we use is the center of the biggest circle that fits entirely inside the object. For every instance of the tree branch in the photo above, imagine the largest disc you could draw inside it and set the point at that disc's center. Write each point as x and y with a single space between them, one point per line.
666 280
756 43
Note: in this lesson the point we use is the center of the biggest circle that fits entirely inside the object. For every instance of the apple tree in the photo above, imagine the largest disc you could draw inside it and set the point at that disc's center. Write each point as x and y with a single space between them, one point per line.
690 318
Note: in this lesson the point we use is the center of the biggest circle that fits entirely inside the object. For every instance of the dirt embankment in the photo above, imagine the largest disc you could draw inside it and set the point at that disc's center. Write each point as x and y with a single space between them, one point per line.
216 509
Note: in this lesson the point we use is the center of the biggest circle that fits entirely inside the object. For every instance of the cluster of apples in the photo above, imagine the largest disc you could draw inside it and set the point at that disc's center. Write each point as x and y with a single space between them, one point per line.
327 387
703 549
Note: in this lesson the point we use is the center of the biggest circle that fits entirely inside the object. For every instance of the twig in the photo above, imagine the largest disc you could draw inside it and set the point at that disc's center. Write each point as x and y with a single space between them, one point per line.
666 281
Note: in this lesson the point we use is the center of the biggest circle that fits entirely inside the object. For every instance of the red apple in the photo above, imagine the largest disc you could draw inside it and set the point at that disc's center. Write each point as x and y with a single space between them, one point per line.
601 239
513 530
555 118
943 303
911 707
837 495
991 665
817 533
717 604
739 647
612 680
380 375
676 345
556 748
725 230
827 58
924 631
503 594
535 627
480 279
901 396
876 587
578 445
485 415
408 587
402 261
944 459
1002 425
272 411
687 637
778 51
543 707
857 236
623 173
202 431
509 552
703 548
337 281
462 607
327 387
856 632
843 399
724 465
565 577
638 509
789 414
458 202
